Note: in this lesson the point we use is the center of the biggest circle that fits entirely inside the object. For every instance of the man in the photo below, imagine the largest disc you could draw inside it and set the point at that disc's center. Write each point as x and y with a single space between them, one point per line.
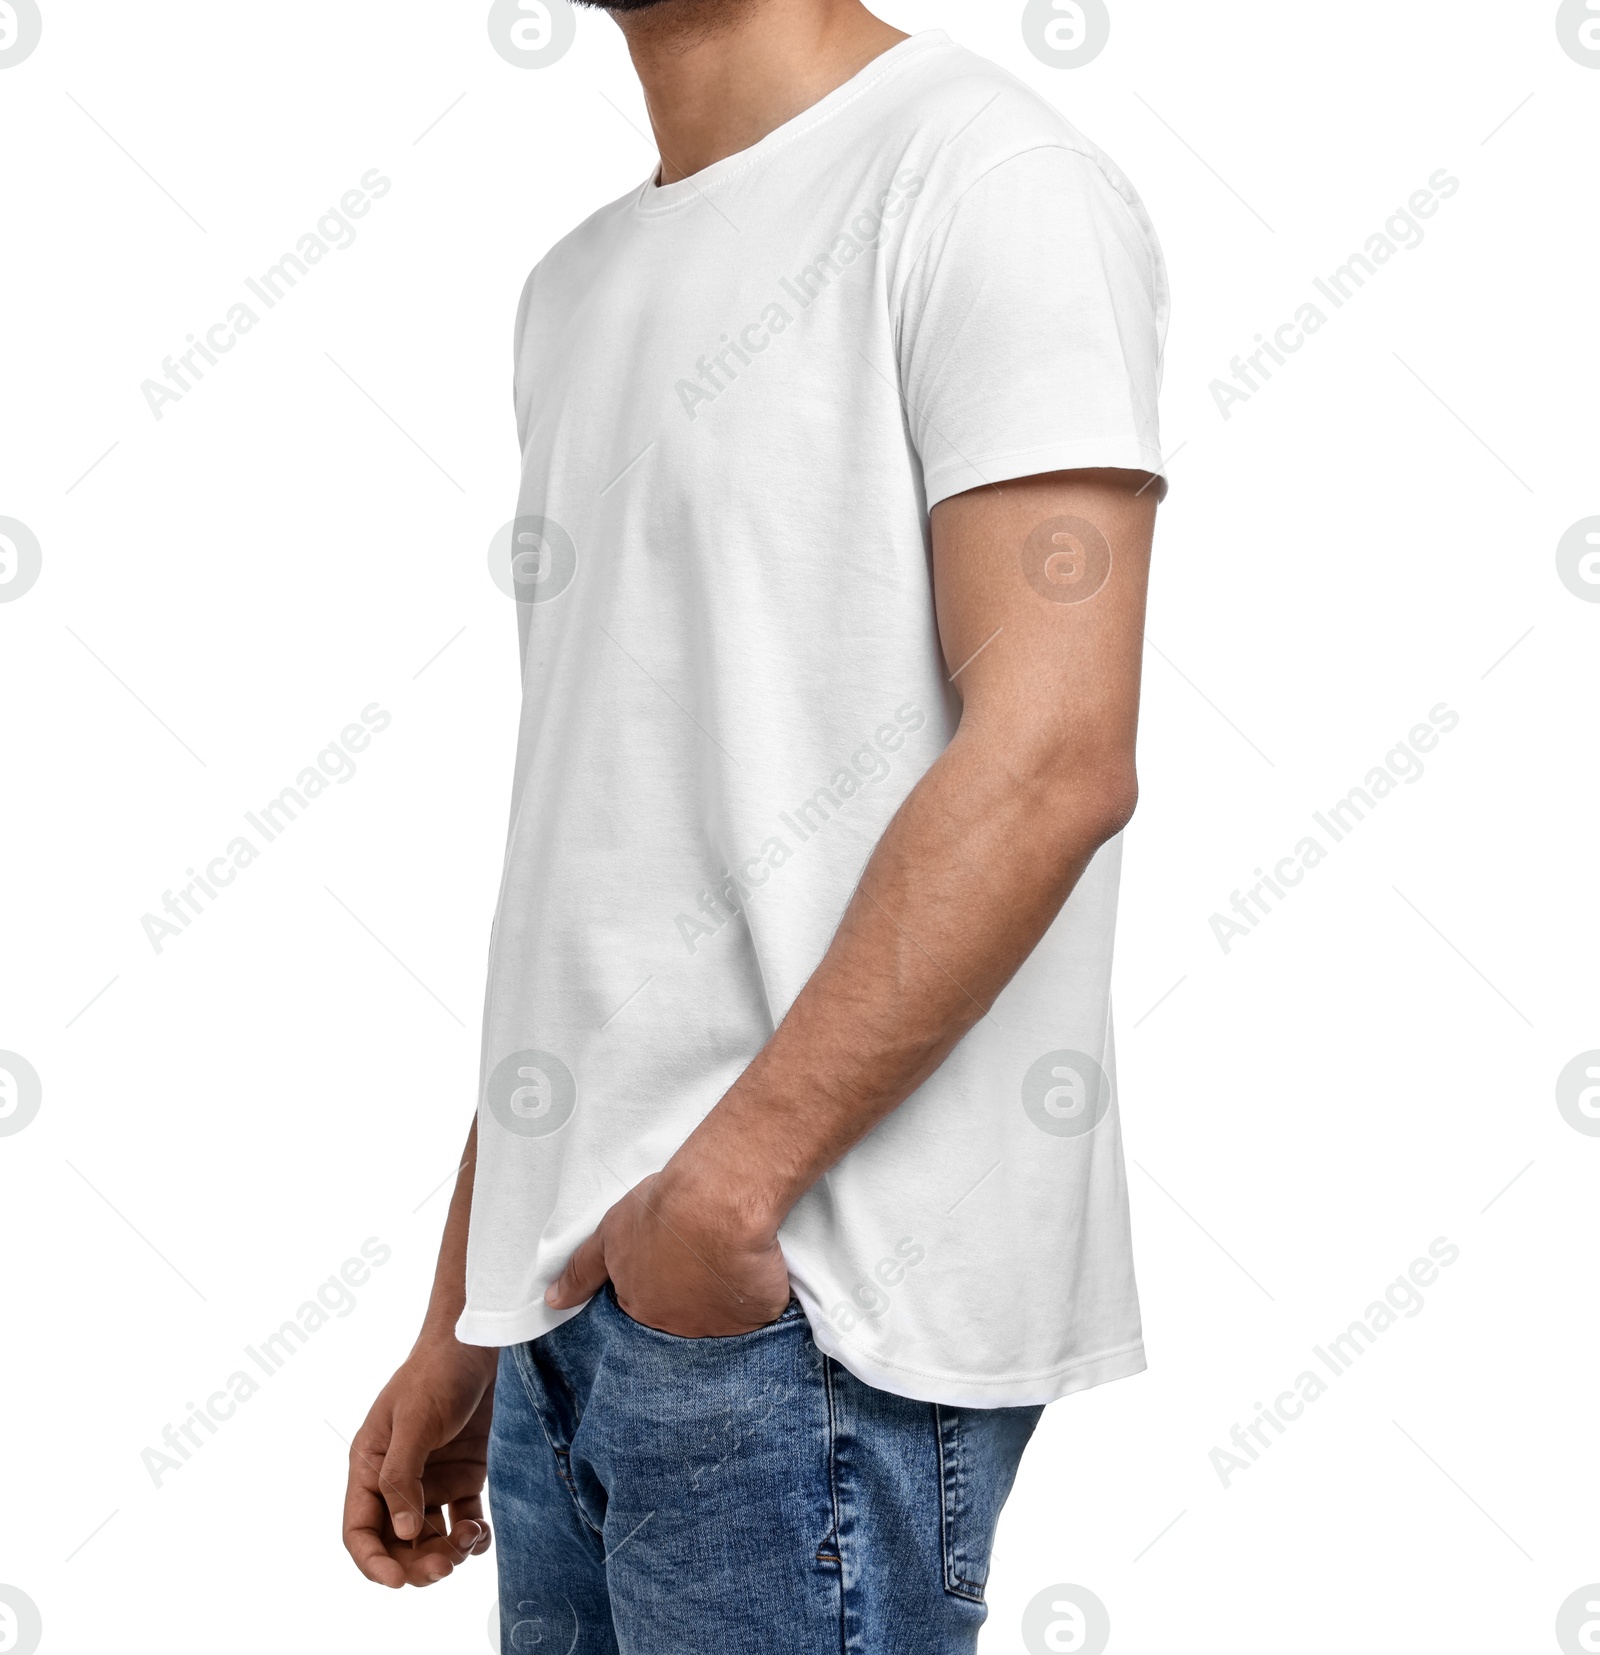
796 1186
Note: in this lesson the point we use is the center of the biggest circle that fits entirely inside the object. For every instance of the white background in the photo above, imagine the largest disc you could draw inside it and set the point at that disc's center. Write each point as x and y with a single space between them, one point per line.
301 536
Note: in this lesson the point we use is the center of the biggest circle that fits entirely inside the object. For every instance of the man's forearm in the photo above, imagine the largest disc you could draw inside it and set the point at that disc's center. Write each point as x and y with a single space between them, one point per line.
449 1294
968 877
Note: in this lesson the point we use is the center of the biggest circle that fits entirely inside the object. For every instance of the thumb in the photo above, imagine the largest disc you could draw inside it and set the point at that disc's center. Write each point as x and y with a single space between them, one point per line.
583 1277
400 1478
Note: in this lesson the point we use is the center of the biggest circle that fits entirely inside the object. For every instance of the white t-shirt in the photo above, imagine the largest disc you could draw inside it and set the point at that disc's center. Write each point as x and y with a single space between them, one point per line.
738 398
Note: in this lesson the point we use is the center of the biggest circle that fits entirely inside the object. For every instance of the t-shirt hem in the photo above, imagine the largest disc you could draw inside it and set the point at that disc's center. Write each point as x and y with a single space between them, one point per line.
953 1390
510 1327
980 1390
1126 453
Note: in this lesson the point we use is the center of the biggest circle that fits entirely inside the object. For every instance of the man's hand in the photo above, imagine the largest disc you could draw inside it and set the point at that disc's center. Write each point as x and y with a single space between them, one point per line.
682 1259
423 1447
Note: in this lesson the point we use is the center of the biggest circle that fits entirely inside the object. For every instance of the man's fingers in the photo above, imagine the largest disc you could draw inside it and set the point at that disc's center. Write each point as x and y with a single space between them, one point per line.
465 1515
441 1553
381 1557
365 1516
469 1535
583 1277
364 1521
369 1534
400 1477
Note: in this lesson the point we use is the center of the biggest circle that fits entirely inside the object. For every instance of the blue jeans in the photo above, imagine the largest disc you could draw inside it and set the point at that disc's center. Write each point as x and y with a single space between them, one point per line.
653 1495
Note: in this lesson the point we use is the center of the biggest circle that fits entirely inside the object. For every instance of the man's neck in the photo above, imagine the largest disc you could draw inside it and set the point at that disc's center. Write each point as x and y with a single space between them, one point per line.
719 75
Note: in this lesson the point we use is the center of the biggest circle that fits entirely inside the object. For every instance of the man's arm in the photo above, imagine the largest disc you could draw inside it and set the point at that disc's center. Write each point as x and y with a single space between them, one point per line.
424 1445
1043 642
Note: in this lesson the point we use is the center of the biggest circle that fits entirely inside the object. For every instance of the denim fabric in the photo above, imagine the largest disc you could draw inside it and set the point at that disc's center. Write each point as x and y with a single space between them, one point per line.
653 1495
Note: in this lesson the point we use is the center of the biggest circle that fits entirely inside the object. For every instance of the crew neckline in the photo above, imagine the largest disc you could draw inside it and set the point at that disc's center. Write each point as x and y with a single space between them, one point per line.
662 198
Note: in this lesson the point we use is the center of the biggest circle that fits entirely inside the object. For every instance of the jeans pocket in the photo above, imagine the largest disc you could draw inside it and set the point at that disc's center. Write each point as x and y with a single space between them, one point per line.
979 1451
791 1313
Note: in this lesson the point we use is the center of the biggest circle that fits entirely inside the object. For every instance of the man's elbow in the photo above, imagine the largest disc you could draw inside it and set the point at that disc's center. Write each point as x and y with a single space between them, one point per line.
1090 796
1108 795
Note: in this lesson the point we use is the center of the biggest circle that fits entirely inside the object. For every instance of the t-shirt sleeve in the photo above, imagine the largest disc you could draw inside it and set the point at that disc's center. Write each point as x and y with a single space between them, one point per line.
1031 327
